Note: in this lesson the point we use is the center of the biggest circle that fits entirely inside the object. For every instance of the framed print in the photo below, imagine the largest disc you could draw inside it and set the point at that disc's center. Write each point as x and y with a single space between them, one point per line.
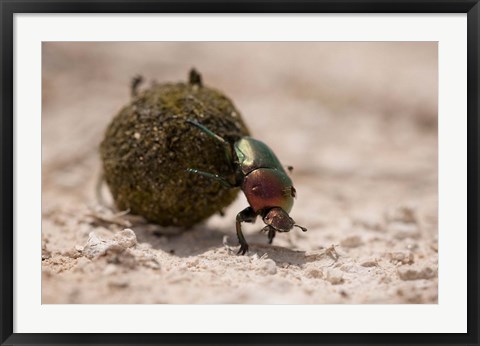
239 173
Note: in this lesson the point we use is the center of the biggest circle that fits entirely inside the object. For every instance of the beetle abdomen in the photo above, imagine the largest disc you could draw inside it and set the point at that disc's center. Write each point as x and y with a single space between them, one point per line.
266 188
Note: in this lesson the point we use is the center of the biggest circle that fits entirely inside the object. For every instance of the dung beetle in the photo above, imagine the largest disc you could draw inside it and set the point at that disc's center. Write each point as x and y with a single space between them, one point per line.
263 180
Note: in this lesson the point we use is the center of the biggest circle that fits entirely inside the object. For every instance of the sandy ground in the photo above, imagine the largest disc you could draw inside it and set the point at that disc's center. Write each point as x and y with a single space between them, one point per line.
358 121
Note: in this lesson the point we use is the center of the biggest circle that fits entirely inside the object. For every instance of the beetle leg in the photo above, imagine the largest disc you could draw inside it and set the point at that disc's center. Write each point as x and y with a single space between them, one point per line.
227 147
213 176
246 215
271 234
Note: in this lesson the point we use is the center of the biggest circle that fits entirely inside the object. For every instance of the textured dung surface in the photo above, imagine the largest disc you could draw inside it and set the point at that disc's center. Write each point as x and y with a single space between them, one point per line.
358 121
148 147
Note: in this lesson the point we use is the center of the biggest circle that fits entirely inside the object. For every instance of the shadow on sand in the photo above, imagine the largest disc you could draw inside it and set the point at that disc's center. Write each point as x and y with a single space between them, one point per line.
197 240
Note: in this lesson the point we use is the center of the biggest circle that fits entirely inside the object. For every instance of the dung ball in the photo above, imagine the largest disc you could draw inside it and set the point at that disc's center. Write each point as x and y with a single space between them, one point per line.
149 146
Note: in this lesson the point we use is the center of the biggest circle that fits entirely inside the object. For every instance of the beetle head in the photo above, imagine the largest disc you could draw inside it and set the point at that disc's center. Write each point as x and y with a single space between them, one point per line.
280 220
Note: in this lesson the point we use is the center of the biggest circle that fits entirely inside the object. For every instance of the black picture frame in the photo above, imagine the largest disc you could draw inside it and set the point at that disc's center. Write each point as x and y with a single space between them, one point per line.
10 7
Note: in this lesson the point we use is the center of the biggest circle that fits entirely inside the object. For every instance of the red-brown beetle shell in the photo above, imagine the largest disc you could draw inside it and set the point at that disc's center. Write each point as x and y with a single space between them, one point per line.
266 188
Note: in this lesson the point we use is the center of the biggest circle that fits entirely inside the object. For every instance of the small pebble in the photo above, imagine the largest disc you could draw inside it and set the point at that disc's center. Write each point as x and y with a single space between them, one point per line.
268 266
334 276
97 247
352 241
412 273
369 262
126 238
349 267
72 253
313 273
401 257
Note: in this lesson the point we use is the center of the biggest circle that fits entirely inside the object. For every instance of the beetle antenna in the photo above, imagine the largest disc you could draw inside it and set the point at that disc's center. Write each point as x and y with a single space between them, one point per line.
302 228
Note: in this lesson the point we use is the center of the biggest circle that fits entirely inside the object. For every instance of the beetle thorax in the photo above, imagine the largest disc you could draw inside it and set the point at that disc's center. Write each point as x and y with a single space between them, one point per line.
253 154
266 188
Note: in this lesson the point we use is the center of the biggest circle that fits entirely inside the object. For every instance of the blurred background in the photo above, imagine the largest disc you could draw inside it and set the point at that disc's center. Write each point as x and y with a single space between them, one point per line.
356 120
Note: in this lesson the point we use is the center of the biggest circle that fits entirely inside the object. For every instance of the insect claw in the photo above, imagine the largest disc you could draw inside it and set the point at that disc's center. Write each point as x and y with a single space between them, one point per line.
243 249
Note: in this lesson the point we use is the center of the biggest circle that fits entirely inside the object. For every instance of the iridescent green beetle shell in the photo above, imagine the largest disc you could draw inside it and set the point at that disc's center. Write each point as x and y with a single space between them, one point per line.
253 154
266 184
